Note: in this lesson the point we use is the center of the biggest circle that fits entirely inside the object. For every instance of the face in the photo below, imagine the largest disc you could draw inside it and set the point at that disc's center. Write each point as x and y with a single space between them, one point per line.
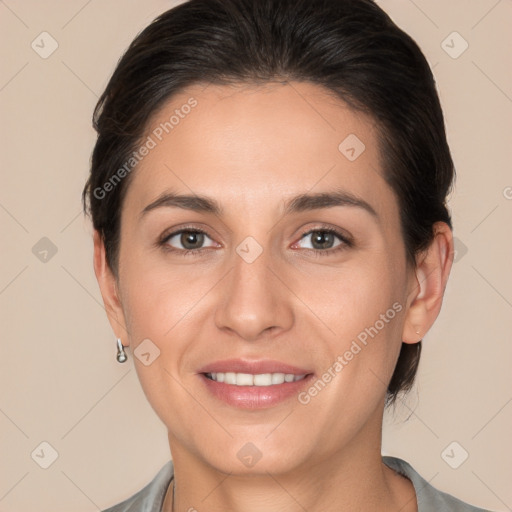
240 279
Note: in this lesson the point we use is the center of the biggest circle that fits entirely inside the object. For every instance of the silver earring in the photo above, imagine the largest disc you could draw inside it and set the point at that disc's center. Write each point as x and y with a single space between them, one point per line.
121 354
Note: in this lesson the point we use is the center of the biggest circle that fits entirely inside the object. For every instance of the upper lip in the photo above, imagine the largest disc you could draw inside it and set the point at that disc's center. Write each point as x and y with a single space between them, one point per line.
254 367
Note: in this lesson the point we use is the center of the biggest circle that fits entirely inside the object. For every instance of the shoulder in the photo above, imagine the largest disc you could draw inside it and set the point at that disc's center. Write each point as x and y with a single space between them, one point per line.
151 497
428 497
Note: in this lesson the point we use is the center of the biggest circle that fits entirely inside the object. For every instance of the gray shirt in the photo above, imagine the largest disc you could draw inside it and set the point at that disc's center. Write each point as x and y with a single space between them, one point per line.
429 499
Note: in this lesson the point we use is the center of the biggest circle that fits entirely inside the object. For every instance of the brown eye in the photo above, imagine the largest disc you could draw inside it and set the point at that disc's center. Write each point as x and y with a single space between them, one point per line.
191 240
322 239
187 240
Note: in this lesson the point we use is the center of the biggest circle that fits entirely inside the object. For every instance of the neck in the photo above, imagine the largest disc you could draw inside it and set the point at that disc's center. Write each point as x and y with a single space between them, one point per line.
354 478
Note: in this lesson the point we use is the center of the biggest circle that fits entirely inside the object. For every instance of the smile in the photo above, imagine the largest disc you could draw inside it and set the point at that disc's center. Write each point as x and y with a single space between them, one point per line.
249 379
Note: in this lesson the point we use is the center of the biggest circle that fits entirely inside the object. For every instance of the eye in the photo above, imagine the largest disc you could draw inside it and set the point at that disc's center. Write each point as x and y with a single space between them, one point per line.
186 241
324 241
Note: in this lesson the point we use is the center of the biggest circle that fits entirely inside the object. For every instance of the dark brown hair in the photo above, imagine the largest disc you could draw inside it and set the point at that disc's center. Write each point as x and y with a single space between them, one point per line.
350 47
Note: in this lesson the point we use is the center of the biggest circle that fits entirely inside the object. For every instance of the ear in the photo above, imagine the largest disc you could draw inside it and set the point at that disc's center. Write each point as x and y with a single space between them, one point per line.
429 282
109 290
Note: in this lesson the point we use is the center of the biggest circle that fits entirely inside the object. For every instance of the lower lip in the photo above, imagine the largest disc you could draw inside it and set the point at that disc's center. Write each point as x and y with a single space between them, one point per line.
255 397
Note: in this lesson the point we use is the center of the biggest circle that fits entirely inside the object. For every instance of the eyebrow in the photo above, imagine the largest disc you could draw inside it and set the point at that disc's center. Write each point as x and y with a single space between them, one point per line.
296 204
306 202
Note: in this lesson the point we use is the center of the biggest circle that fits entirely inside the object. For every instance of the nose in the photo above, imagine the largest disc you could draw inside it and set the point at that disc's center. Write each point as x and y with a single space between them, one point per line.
254 300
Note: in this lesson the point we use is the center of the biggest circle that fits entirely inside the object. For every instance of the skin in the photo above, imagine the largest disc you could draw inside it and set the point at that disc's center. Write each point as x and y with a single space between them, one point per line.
251 148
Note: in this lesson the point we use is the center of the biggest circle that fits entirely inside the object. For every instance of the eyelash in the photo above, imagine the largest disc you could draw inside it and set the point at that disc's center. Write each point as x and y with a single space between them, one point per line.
183 252
346 242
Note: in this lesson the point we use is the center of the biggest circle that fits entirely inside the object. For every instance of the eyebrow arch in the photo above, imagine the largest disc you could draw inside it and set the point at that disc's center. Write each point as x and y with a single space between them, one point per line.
306 202
196 203
296 204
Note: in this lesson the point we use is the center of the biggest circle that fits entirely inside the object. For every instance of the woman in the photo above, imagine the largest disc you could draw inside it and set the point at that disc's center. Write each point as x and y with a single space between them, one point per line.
268 193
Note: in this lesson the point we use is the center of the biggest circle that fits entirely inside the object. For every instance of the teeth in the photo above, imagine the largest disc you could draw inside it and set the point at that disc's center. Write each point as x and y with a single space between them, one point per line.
248 379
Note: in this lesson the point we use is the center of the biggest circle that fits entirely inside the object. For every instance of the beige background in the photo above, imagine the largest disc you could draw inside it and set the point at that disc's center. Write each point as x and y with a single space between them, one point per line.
58 375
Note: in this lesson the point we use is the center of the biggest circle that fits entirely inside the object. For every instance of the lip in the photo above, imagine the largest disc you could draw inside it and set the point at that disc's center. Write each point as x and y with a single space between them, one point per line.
254 367
254 397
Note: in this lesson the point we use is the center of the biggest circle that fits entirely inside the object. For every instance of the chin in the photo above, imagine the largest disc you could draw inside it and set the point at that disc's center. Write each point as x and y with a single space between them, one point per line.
257 454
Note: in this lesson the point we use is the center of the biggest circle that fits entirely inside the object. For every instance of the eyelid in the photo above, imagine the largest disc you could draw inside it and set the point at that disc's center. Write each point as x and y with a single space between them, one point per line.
163 240
342 234
345 239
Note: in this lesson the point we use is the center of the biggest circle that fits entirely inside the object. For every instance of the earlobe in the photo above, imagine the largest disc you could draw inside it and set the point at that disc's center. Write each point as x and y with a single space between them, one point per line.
109 288
427 289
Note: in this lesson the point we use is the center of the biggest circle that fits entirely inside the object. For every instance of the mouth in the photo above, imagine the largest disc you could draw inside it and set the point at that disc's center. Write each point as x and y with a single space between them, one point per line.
245 384
249 379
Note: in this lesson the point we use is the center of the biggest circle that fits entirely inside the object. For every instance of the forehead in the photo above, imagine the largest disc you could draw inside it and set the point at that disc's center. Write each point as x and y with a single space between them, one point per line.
257 144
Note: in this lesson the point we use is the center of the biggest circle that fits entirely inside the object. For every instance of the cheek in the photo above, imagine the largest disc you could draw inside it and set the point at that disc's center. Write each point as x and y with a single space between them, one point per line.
351 297
160 309
157 296
362 309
